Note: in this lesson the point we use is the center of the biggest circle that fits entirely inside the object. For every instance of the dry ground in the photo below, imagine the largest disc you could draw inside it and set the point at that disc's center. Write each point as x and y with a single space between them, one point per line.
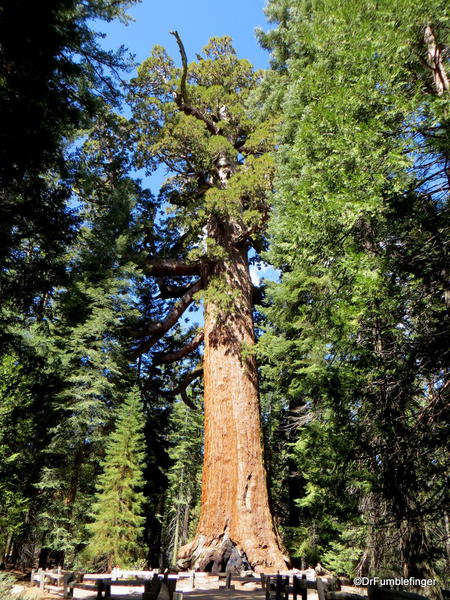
206 588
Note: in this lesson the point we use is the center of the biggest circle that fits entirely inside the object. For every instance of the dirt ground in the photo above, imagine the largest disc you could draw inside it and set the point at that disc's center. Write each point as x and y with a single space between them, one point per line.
206 588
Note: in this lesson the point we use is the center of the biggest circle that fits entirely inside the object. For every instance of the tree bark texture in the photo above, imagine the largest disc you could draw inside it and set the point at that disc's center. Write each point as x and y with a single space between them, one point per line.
435 61
236 529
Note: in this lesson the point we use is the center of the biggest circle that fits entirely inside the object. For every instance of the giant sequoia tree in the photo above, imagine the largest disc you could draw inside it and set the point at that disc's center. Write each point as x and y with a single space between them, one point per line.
194 121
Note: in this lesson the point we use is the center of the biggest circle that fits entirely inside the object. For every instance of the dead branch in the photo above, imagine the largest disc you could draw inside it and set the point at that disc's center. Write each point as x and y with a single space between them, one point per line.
181 96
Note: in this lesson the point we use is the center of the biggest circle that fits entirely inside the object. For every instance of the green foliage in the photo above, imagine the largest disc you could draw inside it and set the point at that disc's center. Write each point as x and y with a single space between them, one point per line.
86 340
118 522
54 78
360 233
184 477
214 131
17 426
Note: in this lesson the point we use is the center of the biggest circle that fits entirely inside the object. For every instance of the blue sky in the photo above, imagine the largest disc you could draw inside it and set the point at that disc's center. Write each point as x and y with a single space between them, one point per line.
196 21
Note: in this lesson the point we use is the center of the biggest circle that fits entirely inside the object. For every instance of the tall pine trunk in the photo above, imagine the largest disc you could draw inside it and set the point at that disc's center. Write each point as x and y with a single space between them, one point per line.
236 528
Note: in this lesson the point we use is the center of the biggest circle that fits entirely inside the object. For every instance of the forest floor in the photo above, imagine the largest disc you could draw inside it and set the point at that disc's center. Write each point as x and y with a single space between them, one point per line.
206 588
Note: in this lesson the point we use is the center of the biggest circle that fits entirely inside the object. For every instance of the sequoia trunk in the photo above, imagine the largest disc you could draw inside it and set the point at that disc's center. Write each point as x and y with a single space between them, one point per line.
236 528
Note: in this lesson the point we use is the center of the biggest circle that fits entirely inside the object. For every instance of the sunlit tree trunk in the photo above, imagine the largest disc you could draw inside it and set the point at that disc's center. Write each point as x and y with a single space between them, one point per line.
236 528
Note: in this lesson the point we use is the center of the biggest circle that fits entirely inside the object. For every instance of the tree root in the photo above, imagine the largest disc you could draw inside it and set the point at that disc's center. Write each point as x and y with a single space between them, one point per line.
214 555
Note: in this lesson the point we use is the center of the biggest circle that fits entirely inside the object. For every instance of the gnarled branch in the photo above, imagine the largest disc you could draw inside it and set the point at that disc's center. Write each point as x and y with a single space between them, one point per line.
186 382
169 357
167 291
183 385
171 266
155 331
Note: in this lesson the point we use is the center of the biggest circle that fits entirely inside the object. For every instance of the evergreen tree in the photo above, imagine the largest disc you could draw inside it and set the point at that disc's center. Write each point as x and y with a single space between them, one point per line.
86 338
195 121
54 78
360 232
118 522
54 81
17 427
184 477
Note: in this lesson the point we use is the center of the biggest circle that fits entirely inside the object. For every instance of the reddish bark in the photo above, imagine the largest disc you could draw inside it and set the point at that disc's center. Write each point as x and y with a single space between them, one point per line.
236 528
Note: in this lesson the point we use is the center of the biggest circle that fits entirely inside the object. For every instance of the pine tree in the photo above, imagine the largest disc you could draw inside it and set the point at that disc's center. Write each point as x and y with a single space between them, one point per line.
54 81
85 343
54 77
17 427
118 522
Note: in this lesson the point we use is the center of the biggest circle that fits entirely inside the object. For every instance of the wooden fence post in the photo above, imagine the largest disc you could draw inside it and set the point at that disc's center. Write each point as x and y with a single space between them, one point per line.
68 589
304 588
372 592
267 588
299 586
286 587
278 586
171 586
263 581
152 588
320 588
228 581
41 580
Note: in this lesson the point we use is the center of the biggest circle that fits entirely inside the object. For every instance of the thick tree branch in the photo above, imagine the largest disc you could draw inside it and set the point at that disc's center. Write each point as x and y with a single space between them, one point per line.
169 357
186 382
167 291
171 266
181 96
181 388
155 331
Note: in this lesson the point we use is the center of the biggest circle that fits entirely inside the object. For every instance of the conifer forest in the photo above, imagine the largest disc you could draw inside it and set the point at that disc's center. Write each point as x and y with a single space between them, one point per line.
163 403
